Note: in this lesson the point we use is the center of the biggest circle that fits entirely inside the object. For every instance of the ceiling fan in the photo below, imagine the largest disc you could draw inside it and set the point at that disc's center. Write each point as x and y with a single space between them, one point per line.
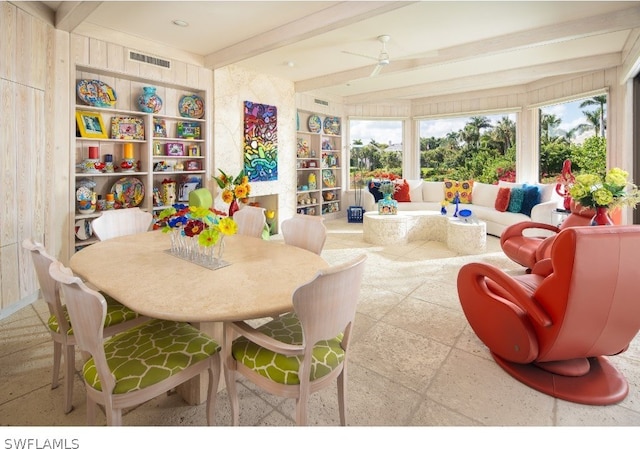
383 57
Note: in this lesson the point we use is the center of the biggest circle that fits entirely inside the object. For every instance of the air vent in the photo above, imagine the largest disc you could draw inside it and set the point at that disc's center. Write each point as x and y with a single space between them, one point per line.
134 56
322 102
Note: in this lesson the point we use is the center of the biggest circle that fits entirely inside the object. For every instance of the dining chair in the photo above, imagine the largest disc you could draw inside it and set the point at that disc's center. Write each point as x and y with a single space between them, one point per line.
301 352
118 318
119 222
138 364
305 231
251 221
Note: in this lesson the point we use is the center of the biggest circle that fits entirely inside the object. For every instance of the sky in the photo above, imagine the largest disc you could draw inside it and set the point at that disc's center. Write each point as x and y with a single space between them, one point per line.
391 131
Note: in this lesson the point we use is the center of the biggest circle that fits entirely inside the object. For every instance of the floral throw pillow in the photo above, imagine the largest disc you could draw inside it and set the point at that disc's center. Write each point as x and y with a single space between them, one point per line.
463 188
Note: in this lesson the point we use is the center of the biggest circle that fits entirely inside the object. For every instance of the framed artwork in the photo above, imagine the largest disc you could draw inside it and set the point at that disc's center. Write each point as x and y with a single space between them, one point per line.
90 124
174 149
159 128
193 150
260 142
127 128
187 130
193 165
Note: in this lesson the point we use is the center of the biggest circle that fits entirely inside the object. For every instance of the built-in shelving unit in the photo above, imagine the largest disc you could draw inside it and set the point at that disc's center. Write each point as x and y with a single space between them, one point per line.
319 165
166 146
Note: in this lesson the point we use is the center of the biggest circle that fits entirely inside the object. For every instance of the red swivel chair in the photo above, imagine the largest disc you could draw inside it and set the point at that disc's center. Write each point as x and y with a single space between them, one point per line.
554 328
527 250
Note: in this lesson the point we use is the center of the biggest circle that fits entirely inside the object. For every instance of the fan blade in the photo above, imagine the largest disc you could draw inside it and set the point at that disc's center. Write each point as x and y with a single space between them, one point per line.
376 70
358 54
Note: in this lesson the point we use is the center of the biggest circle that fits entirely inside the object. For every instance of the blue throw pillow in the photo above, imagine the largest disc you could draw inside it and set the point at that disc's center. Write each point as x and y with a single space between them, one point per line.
531 198
374 188
515 201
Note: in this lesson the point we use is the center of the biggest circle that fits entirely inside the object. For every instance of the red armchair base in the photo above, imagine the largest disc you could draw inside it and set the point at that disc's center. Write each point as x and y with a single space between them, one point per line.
603 384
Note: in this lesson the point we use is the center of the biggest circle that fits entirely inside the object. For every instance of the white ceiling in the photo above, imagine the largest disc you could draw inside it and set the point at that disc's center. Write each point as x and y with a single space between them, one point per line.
435 47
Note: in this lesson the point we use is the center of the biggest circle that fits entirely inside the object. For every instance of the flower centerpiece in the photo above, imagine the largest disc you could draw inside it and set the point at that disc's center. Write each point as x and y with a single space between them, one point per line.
615 190
195 231
387 205
234 189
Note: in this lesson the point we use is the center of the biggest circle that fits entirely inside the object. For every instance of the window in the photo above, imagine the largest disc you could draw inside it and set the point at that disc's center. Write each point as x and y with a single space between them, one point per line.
376 147
576 131
473 147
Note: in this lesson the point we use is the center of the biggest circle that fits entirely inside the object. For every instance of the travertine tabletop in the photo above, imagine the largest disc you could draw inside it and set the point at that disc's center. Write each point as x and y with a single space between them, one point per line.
258 283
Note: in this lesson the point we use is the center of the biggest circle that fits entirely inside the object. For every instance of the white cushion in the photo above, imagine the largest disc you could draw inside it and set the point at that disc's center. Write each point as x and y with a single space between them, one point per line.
432 191
415 189
484 194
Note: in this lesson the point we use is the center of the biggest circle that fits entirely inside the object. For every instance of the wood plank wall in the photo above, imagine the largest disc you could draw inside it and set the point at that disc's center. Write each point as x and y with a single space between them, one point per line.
25 55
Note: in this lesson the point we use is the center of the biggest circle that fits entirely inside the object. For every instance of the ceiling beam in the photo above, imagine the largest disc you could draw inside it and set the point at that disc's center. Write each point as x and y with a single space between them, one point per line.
331 18
590 26
502 78
71 14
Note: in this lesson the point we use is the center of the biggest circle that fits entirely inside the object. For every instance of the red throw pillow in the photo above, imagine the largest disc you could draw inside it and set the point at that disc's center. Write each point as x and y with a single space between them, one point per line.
502 200
402 192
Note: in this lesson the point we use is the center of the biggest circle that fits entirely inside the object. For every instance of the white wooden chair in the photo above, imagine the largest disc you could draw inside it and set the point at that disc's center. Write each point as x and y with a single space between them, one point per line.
119 222
305 231
251 221
299 353
118 318
138 364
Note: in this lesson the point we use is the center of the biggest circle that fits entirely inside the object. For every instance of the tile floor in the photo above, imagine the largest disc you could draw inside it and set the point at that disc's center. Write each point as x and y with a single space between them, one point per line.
414 360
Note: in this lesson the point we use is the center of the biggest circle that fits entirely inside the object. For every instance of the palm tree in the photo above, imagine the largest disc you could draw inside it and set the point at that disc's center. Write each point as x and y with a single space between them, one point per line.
548 122
471 131
599 101
504 132
594 121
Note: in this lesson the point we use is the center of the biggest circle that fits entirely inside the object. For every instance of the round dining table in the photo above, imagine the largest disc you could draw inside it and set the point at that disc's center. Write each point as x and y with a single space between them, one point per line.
138 271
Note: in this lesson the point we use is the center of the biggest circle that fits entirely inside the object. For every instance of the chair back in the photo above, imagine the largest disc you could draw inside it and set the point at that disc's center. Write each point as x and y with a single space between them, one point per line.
251 221
87 310
305 231
119 222
326 306
591 296
48 286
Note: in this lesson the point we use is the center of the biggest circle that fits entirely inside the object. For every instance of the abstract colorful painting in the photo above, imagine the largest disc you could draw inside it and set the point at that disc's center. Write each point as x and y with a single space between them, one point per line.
260 142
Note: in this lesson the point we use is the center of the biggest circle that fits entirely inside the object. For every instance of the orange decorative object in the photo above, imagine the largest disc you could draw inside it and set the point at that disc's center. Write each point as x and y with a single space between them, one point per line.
557 329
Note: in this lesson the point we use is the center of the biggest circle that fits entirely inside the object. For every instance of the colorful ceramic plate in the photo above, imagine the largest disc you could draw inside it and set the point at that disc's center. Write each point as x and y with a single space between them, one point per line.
328 178
96 93
332 126
128 192
83 229
191 106
315 124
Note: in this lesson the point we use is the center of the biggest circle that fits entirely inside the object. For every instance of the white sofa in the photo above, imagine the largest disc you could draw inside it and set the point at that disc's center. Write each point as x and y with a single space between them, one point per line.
427 195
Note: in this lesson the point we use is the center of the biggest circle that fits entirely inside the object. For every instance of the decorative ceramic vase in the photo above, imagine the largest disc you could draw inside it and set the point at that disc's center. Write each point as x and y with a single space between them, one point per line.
149 101
443 210
456 201
168 192
233 208
387 206
601 218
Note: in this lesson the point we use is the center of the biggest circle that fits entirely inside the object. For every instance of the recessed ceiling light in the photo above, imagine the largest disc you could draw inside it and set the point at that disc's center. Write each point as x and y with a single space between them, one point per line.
291 63
180 23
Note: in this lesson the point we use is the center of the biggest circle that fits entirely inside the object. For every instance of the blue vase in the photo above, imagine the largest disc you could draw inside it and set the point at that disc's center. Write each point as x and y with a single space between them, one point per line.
149 101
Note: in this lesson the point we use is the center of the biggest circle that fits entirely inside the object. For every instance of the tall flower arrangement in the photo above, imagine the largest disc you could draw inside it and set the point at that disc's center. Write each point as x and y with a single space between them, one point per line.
614 191
233 188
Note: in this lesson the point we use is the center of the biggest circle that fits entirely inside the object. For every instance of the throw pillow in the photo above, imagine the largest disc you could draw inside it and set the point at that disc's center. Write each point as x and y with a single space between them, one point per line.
374 188
463 188
402 194
530 199
502 200
515 200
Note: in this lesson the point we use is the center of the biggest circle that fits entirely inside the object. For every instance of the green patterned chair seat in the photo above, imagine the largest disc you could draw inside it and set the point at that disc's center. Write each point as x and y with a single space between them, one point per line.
116 314
150 353
327 354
